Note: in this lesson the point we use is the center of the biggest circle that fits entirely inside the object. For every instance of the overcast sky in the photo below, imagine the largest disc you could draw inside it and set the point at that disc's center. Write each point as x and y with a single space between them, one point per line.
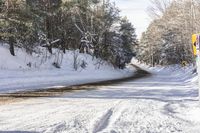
136 12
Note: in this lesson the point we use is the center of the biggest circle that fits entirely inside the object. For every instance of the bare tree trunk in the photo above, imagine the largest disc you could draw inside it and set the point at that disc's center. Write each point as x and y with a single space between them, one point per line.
11 43
50 49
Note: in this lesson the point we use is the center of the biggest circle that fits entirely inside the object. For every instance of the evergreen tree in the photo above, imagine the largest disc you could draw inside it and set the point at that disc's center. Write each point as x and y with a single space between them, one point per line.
129 38
87 25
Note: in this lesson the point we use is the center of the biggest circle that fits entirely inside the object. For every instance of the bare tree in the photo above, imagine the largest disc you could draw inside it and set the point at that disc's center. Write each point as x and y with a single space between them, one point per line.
158 8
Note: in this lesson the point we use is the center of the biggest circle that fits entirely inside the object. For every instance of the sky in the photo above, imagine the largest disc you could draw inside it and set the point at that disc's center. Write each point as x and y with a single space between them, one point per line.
136 12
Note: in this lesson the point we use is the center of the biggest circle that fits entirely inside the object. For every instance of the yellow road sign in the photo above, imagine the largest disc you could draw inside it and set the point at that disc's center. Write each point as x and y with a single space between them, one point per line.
194 43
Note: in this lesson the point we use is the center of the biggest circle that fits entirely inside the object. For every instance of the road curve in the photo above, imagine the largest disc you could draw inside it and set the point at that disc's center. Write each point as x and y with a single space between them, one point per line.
21 95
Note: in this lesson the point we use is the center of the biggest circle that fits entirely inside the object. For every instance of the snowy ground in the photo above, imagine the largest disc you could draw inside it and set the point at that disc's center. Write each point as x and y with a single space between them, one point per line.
25 72
166 102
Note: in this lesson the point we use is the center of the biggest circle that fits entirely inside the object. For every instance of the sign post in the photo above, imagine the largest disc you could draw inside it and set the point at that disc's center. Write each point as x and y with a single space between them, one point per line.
196 51
198 61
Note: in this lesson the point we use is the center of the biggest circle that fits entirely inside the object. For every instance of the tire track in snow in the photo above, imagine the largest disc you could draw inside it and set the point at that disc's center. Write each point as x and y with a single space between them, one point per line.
148 117
103 121
59 127
107 118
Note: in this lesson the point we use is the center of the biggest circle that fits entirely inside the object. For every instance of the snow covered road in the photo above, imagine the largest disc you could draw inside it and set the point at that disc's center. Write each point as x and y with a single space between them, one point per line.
163 103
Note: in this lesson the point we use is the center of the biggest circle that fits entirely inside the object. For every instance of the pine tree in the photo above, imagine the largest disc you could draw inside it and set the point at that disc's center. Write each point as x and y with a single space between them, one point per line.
128 35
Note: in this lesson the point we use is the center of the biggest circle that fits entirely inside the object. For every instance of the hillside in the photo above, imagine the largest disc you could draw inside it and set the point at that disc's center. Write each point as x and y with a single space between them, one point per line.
37 71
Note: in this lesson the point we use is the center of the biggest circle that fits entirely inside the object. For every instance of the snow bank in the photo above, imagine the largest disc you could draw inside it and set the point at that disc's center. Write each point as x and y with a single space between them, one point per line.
28 72
185 74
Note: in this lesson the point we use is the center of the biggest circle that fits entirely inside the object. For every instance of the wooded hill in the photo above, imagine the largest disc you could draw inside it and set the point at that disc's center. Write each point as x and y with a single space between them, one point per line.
91 26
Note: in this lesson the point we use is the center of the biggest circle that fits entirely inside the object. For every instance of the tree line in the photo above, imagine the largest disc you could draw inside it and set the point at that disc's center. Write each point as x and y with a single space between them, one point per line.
91 26
167 40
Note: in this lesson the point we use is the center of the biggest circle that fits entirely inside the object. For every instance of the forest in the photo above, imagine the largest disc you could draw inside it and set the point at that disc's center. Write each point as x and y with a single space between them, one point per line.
167 40
94 27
